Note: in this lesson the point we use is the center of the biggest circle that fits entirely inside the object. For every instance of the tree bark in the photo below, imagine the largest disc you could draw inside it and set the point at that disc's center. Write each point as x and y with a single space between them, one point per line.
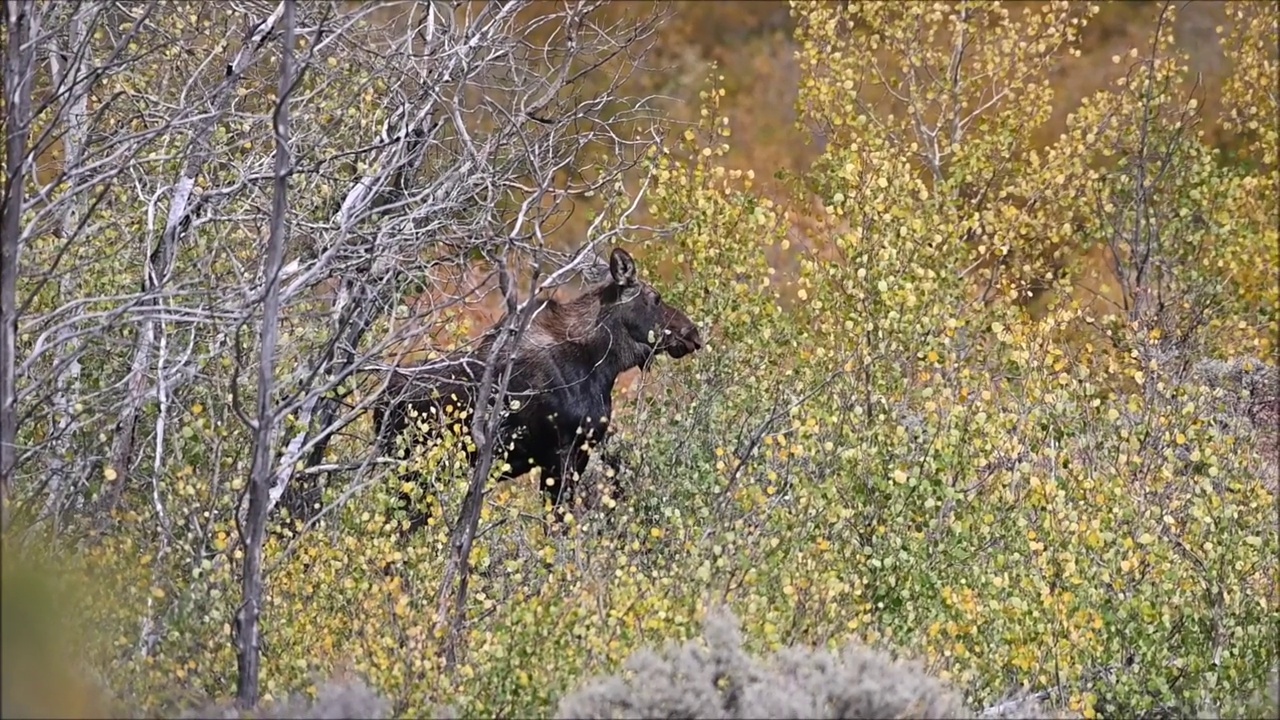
72 61
248 629
18 76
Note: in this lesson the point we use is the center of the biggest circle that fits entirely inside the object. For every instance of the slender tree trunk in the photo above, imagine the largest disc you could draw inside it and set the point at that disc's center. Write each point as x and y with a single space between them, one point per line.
71 60
248 650
451 604
18 76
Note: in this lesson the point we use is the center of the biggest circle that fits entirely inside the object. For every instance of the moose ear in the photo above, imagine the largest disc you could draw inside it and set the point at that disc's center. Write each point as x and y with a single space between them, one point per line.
622 267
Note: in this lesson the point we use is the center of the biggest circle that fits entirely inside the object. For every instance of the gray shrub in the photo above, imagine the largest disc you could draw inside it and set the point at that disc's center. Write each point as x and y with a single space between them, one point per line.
719 679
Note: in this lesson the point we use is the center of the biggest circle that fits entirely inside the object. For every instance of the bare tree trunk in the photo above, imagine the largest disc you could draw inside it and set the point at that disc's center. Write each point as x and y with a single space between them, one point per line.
18 76
248 650
72 60
487 418
484 427
163 255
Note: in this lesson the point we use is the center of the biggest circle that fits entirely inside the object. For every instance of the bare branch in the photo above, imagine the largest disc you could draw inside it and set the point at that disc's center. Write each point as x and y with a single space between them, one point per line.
160 261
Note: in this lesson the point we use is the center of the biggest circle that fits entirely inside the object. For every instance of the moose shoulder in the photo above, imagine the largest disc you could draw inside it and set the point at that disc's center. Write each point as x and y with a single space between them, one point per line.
563 370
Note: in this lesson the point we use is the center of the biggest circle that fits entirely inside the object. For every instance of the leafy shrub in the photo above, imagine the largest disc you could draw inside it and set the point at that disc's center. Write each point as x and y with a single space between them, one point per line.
1265 703
335 700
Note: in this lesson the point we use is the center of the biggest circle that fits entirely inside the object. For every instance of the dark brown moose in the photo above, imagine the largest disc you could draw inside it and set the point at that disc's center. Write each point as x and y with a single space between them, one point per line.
560 395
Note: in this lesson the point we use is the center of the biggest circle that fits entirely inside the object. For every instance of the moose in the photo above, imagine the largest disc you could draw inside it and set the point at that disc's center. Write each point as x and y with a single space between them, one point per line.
563 370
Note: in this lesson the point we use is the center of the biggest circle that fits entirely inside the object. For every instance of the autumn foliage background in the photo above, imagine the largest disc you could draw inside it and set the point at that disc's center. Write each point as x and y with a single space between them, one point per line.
990 383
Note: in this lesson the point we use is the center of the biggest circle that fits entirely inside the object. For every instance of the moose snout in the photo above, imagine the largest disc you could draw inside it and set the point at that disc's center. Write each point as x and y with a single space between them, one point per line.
694 340
684 341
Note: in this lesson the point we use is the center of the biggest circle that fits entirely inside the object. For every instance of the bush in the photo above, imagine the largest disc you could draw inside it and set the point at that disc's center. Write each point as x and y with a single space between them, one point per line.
712 676
335 700
720 680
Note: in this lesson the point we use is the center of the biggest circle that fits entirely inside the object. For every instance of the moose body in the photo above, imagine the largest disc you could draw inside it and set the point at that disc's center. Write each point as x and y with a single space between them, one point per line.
563 370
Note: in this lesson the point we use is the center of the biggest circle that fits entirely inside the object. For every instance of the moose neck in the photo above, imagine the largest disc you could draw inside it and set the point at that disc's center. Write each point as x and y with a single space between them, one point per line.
587 344
596 358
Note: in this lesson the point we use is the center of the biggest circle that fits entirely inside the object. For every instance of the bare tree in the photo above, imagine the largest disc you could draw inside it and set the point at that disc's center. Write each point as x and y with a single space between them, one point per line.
77 235
248 650
160 261
17 105
154 262
71 62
